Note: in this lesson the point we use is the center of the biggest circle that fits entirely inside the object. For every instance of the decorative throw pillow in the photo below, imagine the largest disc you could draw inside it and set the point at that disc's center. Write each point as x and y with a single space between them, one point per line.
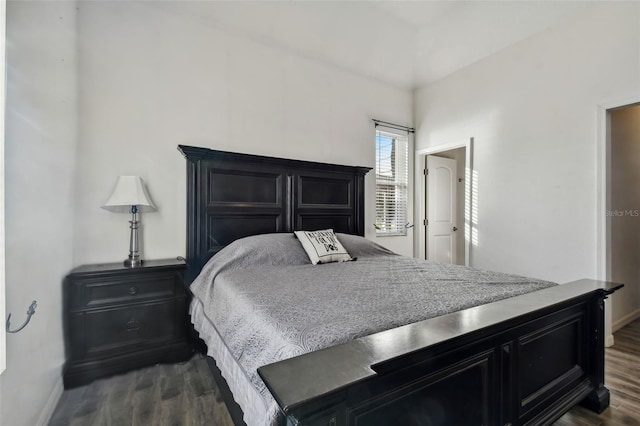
322 246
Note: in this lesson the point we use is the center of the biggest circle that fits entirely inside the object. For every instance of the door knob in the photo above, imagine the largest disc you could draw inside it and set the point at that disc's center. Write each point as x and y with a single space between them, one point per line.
454 229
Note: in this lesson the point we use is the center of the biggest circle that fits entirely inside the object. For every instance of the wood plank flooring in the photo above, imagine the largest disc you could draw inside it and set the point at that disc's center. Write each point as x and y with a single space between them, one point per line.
162 395
185 394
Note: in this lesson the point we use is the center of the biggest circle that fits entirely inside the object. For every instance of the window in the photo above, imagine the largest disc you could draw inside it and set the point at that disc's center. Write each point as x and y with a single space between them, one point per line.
392 177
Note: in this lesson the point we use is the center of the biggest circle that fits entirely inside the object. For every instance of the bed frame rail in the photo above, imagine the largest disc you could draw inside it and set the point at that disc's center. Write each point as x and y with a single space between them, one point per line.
520 361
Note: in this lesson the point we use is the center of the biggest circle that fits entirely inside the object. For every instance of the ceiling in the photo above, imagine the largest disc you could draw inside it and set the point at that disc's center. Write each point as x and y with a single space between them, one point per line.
403 43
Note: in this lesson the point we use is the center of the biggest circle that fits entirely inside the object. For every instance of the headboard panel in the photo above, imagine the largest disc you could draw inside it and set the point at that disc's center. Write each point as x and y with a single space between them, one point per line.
231 196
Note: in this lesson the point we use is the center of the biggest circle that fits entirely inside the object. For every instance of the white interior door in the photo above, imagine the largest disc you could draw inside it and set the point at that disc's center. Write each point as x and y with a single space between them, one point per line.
441 209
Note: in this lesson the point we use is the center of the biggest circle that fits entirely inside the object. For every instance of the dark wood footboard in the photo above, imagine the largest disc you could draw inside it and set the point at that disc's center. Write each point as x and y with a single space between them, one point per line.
520 361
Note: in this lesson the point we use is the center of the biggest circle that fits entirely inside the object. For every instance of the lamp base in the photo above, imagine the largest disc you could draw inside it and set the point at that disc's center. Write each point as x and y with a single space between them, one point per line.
134 255
132 263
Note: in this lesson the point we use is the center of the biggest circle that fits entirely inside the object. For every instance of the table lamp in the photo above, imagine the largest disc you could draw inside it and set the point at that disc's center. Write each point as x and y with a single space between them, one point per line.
130 196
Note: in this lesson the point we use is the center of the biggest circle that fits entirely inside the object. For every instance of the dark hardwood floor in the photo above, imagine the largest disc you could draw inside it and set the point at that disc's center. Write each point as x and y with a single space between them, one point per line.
164 394
185 394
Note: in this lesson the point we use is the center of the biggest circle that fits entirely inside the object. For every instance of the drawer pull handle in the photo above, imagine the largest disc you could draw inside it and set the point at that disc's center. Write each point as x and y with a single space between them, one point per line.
133 290
133 325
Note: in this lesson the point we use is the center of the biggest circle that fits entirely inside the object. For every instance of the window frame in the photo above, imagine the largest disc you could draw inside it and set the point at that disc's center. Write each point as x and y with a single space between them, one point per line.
397 227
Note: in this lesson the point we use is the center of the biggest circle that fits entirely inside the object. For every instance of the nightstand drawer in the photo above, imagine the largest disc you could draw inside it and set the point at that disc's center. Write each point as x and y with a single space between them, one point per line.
97 292
132 326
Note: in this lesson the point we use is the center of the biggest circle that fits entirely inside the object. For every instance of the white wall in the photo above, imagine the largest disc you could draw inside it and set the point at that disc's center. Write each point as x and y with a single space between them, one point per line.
624 213
153 75
532 112
40 145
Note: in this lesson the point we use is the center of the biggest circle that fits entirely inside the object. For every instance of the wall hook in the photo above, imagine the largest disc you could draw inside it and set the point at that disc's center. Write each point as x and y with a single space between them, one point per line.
30 312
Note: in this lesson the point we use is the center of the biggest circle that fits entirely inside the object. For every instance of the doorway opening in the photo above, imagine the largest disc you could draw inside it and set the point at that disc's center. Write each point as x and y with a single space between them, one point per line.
623 211
617 314
444 203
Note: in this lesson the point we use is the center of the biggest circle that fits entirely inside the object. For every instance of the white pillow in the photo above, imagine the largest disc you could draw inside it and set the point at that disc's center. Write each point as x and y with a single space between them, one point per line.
322 246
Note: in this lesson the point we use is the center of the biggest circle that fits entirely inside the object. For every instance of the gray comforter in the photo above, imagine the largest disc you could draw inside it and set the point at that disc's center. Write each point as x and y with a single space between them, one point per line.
269 303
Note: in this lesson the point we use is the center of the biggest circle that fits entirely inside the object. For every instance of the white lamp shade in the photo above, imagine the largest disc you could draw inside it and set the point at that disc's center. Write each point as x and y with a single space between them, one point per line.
129 191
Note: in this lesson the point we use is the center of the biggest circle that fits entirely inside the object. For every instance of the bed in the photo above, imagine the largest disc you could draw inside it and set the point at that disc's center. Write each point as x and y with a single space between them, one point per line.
522 352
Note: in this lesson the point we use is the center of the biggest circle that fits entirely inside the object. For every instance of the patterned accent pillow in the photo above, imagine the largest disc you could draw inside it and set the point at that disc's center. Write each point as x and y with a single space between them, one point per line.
322 246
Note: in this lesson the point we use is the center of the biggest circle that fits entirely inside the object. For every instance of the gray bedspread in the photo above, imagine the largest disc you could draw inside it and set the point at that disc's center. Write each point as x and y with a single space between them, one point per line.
269 303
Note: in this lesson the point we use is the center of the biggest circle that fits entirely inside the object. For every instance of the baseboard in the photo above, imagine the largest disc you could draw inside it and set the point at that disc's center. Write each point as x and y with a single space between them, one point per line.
609 341
51 404
618 324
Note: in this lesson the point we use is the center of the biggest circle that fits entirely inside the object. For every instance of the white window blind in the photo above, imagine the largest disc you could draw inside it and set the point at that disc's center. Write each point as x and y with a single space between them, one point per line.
392 178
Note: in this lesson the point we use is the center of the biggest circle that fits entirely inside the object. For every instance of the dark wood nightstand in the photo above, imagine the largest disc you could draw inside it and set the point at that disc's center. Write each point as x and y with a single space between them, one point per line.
118 319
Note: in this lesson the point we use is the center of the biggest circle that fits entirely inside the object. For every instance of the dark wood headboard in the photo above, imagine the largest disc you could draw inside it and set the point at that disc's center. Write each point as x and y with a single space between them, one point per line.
231 196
